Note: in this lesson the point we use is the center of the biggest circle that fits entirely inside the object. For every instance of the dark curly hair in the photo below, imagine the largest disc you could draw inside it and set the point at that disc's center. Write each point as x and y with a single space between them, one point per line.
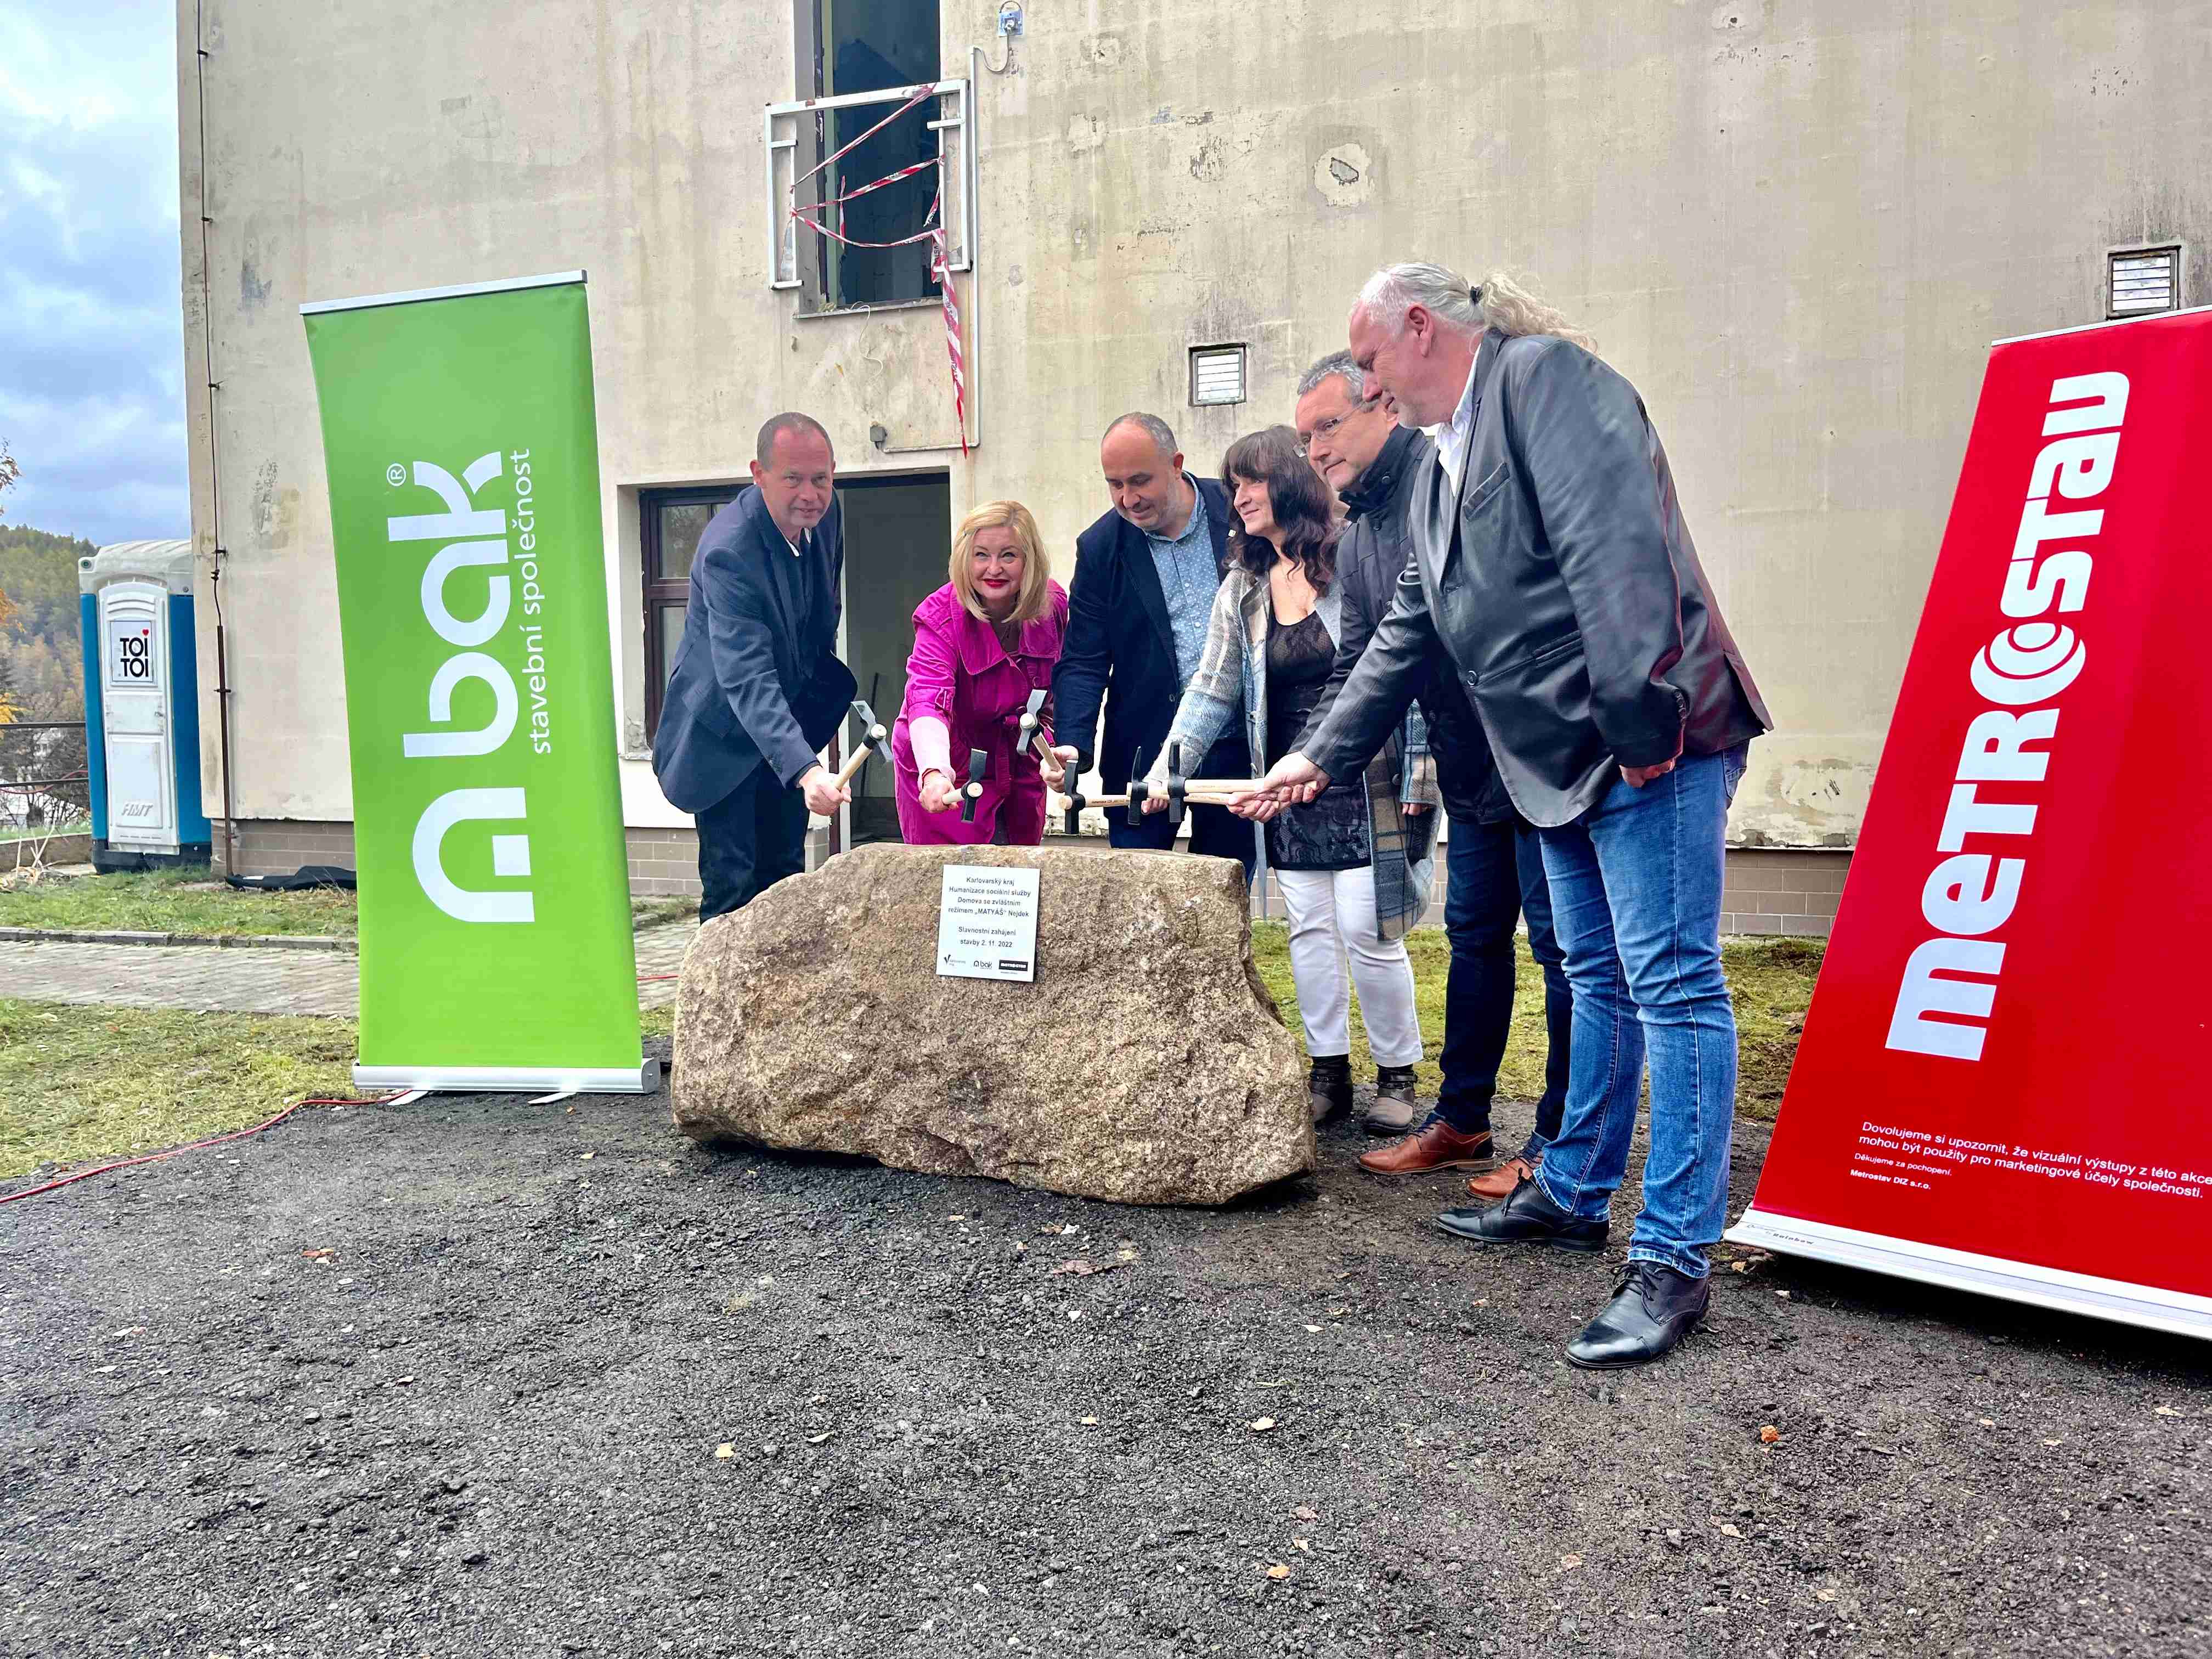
1275 456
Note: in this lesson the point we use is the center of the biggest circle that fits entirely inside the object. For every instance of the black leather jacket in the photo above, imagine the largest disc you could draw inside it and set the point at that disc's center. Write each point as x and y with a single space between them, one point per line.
1373 554
1563 583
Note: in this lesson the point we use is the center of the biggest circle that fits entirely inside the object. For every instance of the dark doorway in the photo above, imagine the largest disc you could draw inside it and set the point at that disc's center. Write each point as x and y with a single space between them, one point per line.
898 538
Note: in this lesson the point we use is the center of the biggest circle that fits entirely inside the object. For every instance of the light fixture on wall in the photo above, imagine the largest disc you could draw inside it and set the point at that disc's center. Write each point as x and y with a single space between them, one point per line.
1217 374
2139 281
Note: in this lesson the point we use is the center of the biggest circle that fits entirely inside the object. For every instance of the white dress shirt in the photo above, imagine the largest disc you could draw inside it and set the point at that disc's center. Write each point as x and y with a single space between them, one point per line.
1453 438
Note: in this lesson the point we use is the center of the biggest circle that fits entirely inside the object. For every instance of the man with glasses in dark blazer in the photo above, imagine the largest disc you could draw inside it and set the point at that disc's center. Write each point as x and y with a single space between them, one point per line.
1146 574
758 688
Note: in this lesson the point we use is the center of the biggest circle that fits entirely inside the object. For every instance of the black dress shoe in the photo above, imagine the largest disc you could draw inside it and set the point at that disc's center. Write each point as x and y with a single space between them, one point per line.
1527 1217
1655 1308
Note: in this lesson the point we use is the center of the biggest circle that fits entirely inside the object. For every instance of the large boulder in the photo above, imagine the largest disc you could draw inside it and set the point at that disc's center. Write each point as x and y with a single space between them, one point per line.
1146 1064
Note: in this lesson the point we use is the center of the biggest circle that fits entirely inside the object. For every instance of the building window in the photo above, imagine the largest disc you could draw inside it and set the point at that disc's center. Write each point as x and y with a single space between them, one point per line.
670 524
864 47
1217 374
2139 281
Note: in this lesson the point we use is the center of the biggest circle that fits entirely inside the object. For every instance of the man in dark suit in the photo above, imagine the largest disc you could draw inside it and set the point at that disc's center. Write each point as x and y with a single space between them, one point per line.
1552 563
758 688
1146 574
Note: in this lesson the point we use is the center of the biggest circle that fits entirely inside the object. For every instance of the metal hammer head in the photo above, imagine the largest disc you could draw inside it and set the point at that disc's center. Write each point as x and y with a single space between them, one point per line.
874 736
872 732
1176 780
1032 717
1072 794
979 762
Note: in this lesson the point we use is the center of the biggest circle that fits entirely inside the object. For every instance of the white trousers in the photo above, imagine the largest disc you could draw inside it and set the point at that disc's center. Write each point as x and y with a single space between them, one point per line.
1332 912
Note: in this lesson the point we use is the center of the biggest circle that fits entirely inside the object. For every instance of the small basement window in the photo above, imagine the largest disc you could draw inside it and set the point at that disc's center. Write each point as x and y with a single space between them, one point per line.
1217 374
2139 281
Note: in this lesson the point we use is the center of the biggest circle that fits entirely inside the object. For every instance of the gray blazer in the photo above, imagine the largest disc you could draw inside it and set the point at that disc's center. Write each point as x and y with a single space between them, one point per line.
1562 582
1232 675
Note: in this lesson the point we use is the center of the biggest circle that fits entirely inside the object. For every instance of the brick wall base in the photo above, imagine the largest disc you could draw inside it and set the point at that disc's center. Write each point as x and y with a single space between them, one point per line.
1767 891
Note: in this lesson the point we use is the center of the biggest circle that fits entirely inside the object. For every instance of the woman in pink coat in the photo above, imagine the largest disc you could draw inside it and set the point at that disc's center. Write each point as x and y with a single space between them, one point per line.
982 643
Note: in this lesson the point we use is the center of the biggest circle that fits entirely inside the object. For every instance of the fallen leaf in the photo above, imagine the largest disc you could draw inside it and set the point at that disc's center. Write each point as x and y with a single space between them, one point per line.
1303 1513
817 1439
725 1450
956 1218
1784 1295
1261 1424
2166 1411
1338 1313
1313 1328
1824 1593
1987 1422
588 1157
1124 1255
1769 1433
1278 1571
1739 1267
1070 1230
1087 1422
402 1382
2052 1442
1570 1561
1303 1545
1728 1529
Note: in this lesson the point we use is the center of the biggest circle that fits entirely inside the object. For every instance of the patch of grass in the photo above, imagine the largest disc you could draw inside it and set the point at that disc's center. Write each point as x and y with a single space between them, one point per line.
1771 980
81 1085
174 901
187 902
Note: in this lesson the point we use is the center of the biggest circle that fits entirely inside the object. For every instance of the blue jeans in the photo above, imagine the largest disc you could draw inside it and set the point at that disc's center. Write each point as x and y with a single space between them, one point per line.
1636 896
1497 877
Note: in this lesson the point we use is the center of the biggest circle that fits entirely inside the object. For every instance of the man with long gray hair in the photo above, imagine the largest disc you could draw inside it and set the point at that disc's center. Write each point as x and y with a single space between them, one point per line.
1551 564
1497 868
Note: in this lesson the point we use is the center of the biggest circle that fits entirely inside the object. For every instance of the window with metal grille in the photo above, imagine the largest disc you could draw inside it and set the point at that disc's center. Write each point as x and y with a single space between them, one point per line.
1217 374
2142 280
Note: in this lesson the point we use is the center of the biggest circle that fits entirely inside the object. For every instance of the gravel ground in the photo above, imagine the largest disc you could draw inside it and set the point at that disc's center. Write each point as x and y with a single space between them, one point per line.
475 1377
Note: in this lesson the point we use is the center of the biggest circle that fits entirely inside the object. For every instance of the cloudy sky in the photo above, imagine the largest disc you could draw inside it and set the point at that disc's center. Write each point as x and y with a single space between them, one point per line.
91 341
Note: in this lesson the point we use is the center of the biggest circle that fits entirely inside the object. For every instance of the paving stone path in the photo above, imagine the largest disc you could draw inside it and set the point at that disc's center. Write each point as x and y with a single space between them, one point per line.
279 982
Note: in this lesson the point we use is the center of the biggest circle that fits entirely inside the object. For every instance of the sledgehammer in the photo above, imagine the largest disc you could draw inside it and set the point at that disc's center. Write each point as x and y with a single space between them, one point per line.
873 737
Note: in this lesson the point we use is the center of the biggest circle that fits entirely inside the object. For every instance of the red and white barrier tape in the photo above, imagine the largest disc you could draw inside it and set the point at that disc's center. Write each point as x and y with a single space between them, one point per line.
932 232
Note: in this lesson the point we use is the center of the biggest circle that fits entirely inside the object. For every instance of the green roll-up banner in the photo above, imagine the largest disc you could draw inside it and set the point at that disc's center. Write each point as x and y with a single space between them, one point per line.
460 441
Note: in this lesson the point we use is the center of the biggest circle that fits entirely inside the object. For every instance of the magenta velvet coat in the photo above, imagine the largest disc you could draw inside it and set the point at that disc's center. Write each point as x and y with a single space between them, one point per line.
959 674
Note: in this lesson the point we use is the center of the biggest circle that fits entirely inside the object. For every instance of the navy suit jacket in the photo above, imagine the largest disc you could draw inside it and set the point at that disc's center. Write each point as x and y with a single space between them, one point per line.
756 681
1118 639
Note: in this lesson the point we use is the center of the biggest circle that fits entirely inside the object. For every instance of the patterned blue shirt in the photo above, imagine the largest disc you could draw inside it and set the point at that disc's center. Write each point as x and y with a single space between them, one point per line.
1188 578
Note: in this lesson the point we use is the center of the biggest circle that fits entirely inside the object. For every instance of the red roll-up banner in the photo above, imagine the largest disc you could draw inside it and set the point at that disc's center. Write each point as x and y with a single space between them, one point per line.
2002 1083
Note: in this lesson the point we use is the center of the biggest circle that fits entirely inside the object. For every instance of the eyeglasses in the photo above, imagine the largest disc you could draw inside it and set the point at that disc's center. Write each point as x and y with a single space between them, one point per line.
1327 428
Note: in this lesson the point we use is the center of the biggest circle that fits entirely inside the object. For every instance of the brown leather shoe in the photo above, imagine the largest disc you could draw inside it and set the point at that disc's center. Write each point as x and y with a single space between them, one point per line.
1437 1145
1501 1181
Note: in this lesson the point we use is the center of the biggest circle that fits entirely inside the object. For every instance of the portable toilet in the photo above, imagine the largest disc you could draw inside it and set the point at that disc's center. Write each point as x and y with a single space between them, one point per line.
141 718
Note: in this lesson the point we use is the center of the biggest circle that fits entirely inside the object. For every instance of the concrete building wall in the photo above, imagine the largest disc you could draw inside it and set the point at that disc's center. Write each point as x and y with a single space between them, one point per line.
1796 226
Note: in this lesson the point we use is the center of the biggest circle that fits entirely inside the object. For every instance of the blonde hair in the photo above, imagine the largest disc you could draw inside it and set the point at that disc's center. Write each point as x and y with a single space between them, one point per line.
1498 302
1037 575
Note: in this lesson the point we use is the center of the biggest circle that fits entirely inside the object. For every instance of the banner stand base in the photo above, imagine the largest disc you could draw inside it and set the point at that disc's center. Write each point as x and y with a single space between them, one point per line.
1986 1275
639 1079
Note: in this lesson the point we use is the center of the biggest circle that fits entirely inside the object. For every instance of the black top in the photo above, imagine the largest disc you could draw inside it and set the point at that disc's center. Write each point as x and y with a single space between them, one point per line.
1331 832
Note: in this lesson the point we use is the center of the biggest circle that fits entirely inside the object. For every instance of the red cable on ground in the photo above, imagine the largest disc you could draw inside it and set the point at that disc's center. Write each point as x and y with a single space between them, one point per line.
216 1140
648 979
